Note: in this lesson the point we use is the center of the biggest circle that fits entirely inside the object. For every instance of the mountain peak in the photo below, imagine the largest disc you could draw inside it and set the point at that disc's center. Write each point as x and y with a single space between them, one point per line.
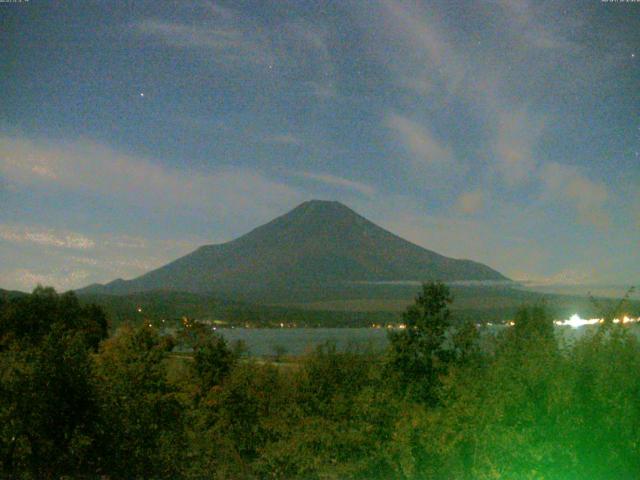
322 205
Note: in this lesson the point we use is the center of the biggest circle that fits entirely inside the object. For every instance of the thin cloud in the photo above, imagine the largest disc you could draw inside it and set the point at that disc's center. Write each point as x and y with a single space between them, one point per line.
46 237
86 166
470 202
526 23
517 134
284 139
419 141
70 265
289 49
567 276
225 40
340 182
440 68
26 279
425 45
565 184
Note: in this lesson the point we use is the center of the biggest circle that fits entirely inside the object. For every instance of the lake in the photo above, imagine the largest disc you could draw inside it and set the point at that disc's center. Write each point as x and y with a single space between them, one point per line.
296 341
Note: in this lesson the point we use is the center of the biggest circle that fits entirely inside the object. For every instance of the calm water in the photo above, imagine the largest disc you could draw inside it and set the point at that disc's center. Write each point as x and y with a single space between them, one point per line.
295 341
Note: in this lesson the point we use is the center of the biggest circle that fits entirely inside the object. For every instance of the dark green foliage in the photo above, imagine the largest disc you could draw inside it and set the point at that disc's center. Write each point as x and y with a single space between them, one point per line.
141 414
212 361
27 319
418 354
48 406
444 402
533 324
606 392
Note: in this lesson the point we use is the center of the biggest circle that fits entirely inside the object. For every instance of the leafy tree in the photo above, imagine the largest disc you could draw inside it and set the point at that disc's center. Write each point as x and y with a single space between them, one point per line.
48 414
533 324
418 354
605 431
212 361
142 415
334 420
27 319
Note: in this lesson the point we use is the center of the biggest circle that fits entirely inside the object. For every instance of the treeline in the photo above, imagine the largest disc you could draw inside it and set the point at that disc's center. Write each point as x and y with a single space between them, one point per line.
173 306
440 403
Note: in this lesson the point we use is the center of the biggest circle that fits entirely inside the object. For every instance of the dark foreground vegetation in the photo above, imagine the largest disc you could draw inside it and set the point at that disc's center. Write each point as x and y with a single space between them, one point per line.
440 403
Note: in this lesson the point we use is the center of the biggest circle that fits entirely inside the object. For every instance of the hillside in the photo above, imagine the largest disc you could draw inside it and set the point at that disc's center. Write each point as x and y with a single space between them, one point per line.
10 293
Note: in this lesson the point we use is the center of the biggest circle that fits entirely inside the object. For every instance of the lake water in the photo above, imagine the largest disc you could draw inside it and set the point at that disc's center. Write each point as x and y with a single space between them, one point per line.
296 341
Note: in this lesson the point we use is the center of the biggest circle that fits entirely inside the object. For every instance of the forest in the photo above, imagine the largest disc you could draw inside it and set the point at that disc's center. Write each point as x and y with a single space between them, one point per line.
446 400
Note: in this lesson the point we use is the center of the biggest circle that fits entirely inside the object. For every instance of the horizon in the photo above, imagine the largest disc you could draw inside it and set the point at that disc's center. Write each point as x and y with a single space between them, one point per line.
505 133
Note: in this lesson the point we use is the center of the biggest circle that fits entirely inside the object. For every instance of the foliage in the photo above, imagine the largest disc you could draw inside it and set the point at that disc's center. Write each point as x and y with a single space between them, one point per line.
212 357
418 354
47 401
141 414
444 401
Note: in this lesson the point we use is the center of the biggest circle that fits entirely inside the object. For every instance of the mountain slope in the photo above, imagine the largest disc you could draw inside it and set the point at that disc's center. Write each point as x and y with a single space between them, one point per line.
317 243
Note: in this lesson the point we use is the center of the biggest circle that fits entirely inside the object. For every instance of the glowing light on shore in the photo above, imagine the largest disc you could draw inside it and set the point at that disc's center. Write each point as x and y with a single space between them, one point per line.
576 322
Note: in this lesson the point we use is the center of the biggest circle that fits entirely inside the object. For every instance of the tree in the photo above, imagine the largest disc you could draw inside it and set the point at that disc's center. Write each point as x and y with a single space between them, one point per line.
141 412
212 361
48 415
27 319
533 324
418 354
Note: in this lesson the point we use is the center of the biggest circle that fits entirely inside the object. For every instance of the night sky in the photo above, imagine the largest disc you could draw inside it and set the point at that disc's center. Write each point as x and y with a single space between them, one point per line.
503 131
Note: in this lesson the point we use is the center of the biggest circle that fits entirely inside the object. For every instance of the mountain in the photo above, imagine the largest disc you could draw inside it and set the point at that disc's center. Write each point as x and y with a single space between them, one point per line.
8 294
317 247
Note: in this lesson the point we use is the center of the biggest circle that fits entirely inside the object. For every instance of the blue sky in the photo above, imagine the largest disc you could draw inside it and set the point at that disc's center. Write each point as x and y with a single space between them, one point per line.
504 131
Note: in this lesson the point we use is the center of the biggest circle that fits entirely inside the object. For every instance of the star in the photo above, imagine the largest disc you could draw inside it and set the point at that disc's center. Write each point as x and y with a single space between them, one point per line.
633 55
142 94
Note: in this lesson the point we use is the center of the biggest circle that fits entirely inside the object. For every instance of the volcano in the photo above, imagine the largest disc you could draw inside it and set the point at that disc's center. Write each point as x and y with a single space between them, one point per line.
316 246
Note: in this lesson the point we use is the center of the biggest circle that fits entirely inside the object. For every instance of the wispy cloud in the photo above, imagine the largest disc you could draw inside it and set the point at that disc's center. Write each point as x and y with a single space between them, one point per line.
35 254
46 237
568 276
445 69
420 142
228 37
567 185
470 202
283 139
517 134
527 24
324 89
428 57
340 182
429 158
83 166
26 279
226 40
